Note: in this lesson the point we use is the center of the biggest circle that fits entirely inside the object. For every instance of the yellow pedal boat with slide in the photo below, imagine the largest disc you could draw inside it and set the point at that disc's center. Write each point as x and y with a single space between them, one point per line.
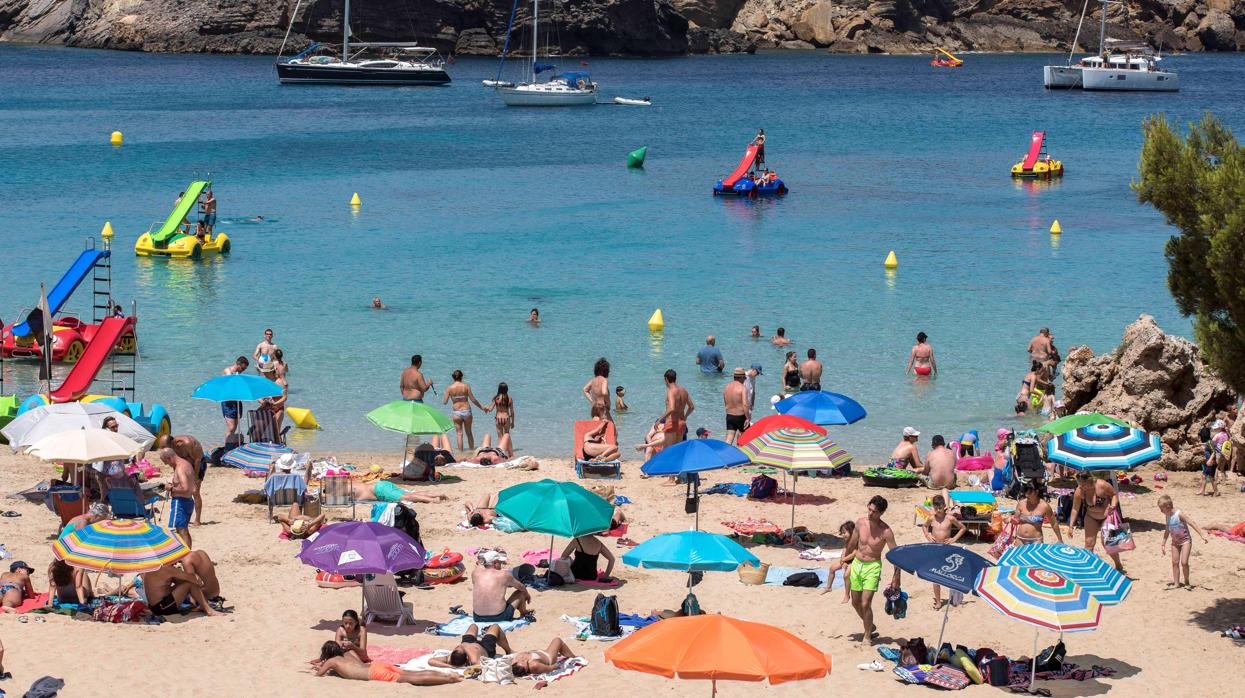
178 237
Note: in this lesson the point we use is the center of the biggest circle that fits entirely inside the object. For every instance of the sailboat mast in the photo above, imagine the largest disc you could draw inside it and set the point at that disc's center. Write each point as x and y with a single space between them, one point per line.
1102 31
535 35
346 33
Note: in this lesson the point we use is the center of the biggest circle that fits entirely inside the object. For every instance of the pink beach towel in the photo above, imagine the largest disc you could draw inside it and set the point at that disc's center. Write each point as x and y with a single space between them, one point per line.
395 655
599 584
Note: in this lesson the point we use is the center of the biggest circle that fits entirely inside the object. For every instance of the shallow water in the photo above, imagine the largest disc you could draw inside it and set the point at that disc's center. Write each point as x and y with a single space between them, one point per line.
473 213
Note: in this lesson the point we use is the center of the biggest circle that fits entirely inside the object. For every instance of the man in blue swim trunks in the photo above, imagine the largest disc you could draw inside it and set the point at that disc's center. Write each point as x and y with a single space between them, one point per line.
231 410
181 493
386 491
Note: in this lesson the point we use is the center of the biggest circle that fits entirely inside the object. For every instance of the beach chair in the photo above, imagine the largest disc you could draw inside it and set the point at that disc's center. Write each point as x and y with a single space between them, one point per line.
66 502
128 501
594 469
284 489
337 491
382 600
263 428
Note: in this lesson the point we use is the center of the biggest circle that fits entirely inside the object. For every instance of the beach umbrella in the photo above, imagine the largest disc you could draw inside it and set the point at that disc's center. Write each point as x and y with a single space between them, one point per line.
793 450
84 446
951 566
717 647
1041 598
694 456
1076 421
45 420
255 457
119 546
690 551
822 407
557 508
776 421
1104 447
409 417
362 547
1091 572
237 387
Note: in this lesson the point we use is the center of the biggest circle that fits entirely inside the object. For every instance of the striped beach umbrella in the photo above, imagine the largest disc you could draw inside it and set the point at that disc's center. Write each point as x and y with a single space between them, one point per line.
120 546
1041 598
1104 447
793 450
255 457
1079 565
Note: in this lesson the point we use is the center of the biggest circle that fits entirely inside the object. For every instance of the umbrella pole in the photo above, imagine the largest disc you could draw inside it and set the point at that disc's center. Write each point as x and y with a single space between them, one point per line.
946 611
362 599
1033 673
794 479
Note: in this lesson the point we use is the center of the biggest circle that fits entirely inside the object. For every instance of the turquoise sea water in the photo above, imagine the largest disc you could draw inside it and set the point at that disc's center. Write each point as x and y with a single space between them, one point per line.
473 213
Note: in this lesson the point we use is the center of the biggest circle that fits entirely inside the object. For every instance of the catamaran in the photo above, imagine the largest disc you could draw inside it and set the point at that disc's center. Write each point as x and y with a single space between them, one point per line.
567 89
406 63
1119 66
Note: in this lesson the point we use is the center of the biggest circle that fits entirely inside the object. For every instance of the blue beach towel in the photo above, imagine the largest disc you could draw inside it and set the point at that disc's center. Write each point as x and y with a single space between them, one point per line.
635 621
459 625
738 489
621 499
778 575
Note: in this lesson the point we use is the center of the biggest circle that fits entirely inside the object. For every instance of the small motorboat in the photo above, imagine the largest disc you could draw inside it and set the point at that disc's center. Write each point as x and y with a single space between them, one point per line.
645 102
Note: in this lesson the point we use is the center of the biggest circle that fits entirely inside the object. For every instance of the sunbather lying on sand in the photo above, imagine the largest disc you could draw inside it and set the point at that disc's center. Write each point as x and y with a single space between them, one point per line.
474 647
1230 529
334 660
15 586
386 491
487 454
295 524
541 661
483 512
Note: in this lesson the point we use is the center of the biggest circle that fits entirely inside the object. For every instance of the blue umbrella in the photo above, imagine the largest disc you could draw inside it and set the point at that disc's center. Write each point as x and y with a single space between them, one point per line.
947 565
694 456
822 407
237 387
690 551
1086 569
1104 447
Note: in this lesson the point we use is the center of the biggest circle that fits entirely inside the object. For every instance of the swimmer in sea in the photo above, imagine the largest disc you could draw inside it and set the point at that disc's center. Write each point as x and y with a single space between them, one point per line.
534 317
921 360
377 304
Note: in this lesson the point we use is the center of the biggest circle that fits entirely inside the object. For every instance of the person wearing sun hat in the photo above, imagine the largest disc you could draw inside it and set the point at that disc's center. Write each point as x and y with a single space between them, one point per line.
15 586
906 454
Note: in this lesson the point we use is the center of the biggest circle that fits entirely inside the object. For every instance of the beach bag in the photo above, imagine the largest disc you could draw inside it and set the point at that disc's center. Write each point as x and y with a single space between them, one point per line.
1003 541
948 677
124 612
604 621
1117 536
753 576
690 606
913 652
1051 658
1001 477
995 669
762 487
802 579
418 470
496 670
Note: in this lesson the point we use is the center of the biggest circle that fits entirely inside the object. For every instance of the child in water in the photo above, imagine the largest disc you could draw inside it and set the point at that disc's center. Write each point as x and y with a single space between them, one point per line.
619 404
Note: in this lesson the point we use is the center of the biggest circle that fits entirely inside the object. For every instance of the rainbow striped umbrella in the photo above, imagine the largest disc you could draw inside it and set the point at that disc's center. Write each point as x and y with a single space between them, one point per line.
1041 598
793 450
119 546
1104 447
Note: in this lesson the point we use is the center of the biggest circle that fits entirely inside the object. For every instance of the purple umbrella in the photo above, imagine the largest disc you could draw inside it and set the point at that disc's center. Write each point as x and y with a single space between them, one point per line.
362 547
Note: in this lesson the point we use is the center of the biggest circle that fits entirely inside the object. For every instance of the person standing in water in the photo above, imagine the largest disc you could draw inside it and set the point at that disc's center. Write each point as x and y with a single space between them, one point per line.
534 316
679 406
921 360
460 398
263 354
759 142
597 391
810 372
413 384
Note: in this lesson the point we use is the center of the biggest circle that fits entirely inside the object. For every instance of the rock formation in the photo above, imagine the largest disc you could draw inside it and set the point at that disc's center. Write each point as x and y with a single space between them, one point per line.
1155 380
630 27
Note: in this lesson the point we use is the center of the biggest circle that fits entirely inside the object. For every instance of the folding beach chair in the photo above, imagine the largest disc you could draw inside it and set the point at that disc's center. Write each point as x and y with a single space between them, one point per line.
382 600
337 491
127 499
595 469
263 427
284 489
66 501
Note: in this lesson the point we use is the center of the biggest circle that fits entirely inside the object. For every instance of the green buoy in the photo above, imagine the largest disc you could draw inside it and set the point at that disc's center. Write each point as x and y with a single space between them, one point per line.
636 157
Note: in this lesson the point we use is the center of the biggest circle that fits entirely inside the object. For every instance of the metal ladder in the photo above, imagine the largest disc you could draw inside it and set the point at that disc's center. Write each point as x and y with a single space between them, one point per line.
124 369
102 287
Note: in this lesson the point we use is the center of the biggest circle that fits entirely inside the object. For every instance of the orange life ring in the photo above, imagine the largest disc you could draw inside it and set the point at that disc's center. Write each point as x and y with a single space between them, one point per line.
447 558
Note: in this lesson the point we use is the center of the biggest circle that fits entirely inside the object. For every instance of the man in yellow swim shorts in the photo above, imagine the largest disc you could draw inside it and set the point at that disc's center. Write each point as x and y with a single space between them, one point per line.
871 537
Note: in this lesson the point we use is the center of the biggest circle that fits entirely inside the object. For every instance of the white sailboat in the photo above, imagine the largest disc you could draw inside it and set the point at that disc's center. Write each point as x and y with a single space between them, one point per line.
1119 66
566 89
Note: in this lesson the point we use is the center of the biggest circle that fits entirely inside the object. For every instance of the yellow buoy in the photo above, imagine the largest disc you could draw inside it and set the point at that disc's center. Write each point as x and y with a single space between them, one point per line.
1055 229
106 233
302 417
892 262
355 201
656 322
115 138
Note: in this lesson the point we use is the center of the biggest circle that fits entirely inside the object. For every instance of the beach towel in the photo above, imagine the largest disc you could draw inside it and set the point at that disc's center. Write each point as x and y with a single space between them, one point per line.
738 489
583 629
383 513
1229 536
617 532
1018 675
635 621
420 663
395 655
750 526
565 668
37 601
778 575
459 624
820 555
521 463
620 500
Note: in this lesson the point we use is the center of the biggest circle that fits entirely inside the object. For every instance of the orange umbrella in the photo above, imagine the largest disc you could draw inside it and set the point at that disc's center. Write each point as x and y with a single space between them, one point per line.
718 647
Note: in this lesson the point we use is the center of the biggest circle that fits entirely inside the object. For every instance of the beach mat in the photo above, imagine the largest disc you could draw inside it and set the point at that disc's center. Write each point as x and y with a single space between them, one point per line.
459 625
583 629
565 668
778 575
32 603
395 655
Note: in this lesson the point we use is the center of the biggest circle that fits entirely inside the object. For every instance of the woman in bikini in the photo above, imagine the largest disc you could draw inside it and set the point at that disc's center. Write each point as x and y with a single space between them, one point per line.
791 374
1026 388
459 396
921 360
503 408
352 636
541 661
596 447
1099 498
1032 511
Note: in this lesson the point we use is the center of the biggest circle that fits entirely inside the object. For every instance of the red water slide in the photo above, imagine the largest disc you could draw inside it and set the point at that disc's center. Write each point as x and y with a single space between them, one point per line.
1035 149
78 382
750 156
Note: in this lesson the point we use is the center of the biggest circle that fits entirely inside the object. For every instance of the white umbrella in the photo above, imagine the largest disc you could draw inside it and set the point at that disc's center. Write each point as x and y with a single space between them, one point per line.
85 446
46 420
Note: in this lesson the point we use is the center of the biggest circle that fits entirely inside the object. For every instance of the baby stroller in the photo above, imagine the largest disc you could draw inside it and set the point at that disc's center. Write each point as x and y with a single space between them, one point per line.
1027 464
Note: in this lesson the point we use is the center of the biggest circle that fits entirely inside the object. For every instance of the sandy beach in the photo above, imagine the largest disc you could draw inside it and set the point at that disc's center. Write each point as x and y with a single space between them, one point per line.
1158 641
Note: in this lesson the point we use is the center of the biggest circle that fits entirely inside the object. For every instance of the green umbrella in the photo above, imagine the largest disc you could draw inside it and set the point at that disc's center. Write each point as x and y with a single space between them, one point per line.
407 417
1076 421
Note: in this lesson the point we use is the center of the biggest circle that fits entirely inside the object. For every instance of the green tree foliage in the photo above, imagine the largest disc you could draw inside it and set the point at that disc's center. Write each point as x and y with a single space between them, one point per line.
1198 184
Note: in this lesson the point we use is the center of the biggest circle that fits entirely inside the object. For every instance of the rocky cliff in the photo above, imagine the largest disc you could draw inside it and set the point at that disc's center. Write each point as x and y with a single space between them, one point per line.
1155 380
632 27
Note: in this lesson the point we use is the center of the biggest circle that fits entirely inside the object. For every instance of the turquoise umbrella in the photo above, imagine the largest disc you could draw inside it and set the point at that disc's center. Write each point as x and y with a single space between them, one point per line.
237 387
557 508
690 551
